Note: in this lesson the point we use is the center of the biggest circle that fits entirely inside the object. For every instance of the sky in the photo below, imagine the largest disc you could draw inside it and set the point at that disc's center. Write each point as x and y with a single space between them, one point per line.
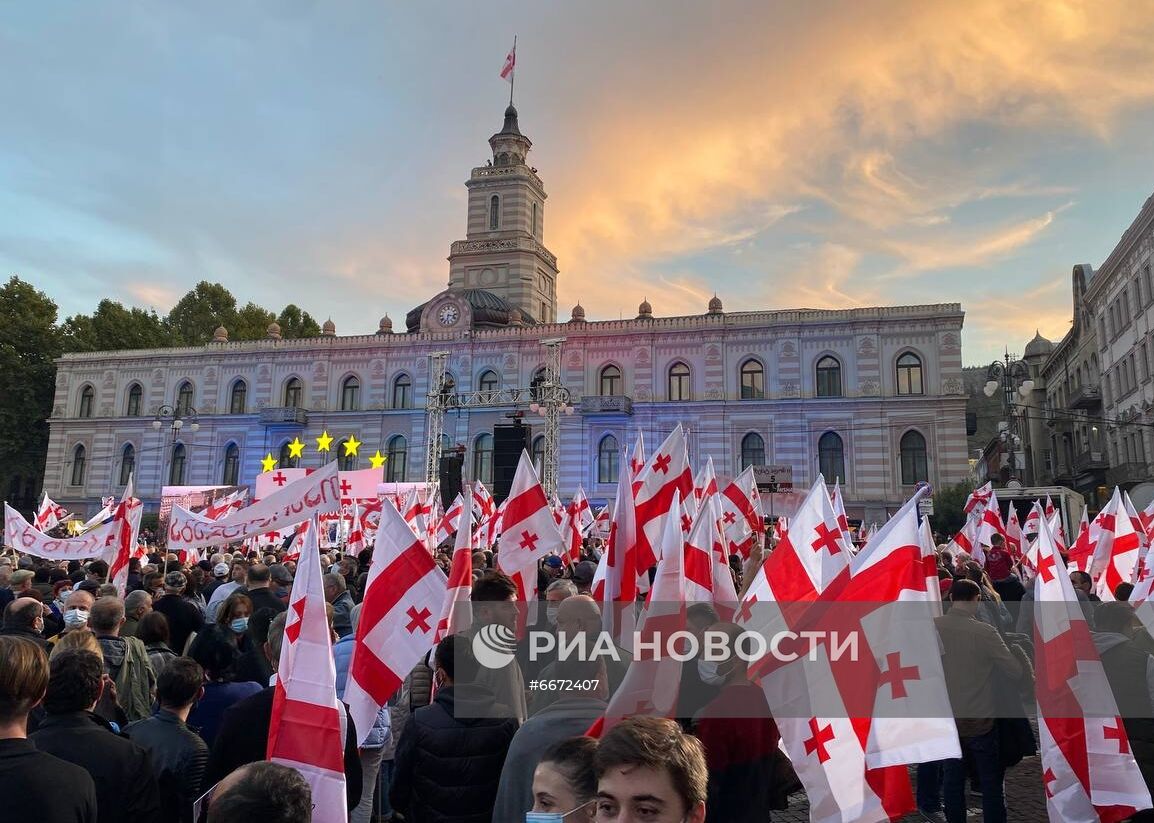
780 154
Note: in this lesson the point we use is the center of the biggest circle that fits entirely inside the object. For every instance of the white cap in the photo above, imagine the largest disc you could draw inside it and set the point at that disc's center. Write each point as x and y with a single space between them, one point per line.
220 570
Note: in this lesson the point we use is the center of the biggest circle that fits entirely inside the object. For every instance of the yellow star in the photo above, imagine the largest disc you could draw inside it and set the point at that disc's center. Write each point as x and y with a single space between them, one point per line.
377 460
268 463
351 446
324 442
296 448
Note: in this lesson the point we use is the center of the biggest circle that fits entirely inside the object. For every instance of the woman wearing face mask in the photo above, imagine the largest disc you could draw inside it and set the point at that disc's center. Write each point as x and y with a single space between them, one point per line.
740 739
564 784
232 620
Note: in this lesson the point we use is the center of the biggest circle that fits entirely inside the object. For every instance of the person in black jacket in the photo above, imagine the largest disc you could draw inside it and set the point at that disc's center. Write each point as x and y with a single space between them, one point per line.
35 785
243 734
448 767
259 591
126 787
178 754
24 617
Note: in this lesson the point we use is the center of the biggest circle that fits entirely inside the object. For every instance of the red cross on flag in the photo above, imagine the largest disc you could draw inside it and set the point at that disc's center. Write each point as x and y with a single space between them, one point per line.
838 502
355 543
578 520
528 531
307 727
930 564
991 524
666 476
49 514
741 514
1081 554
1083 743
1118 546
979 498
448 525
269 483
456 612
615 583
404 591
1014 538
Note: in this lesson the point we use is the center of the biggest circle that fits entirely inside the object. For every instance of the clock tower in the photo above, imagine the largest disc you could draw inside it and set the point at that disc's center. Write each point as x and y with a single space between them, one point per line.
503 252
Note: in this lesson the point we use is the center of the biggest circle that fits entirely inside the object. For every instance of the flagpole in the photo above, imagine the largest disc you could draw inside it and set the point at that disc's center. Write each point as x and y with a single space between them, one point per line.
513 73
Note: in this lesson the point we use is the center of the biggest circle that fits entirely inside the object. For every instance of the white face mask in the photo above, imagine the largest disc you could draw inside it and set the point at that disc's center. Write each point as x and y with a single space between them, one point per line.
75 618
551 614
710 674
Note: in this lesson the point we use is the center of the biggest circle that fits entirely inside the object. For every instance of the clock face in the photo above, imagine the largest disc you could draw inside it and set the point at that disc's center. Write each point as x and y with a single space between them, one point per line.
448 315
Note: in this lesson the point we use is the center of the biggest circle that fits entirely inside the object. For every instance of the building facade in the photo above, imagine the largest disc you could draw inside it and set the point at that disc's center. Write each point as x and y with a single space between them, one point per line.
873 396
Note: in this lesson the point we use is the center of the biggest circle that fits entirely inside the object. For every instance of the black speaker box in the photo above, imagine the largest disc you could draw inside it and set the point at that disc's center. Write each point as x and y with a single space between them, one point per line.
508 443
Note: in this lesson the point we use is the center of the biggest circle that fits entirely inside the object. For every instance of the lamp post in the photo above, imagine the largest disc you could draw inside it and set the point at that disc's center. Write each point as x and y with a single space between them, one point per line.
1013 377
173 420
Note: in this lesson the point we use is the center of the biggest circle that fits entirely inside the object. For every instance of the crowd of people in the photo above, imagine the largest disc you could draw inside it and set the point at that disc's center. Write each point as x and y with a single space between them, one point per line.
157 706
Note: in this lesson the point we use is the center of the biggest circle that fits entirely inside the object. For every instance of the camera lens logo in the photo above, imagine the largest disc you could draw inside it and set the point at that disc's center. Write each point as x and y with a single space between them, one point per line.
494 646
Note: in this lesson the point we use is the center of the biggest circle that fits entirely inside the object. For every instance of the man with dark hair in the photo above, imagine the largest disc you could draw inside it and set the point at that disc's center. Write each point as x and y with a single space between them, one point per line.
178 754
243 734
97 572
649 769
24 617
494 598
259 591
125 659
971 652
264 792
449 759
35 785
126 787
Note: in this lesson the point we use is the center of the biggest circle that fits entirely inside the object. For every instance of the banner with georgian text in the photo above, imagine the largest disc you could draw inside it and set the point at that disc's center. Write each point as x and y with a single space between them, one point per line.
24 537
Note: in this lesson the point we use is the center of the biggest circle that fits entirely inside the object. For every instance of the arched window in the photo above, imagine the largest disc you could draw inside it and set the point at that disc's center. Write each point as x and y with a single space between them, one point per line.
828 377
608 457
79 459
611 383
286 462
87 396
231 473
184 399
487 382
127 463
494 213
398 459
752 380
483 458
679 382
293 393
135 400
539 454
831 457
913 449
176 468
910 374
403 392
345 462
351 393
238 397
752 451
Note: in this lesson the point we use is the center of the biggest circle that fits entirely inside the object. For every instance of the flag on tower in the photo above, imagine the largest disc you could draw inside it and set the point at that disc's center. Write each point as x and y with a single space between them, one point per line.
510 63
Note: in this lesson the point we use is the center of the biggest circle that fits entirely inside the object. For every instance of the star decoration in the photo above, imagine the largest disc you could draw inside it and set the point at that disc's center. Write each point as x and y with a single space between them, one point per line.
268 463
325 441
351 446
296 448
377 460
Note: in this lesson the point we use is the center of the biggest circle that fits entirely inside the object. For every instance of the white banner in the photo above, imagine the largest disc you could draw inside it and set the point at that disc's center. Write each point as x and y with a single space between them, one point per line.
318 493
24 537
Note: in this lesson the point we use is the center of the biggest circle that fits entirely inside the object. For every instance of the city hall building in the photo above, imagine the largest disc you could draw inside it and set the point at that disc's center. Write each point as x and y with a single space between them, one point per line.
872 396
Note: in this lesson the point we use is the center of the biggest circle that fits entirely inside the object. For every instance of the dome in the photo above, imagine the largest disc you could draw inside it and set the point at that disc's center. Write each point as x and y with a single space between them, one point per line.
489 311
715 305
385 326
329 329
273 332
1039 346
511 126
578 314
644 311
515 317
220 335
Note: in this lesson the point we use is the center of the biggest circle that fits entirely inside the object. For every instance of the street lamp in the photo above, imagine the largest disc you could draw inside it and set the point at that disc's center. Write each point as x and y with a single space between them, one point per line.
173 419
1013 377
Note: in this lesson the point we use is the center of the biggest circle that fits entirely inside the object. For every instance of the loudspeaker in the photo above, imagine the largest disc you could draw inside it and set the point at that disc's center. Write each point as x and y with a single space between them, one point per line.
508 443
450 477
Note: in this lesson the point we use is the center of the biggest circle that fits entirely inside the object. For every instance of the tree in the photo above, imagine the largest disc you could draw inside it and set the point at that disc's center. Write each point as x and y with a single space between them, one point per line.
948 505
29 343
112 327
196 315
252 323
295 323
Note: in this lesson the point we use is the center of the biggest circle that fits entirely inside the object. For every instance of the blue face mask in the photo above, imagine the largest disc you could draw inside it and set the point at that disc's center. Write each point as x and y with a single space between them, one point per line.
552 817
239 625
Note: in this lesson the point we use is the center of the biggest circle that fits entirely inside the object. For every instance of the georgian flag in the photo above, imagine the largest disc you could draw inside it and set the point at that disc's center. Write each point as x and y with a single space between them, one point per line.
979 498
741 514
839 510
397 625
449 523
307 727
1088 770
666 477
578 520
510 63
1118 547
49 514
615 584
456 611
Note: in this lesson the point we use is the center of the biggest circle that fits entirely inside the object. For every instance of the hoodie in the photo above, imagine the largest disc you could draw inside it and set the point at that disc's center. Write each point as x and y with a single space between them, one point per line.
126 662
